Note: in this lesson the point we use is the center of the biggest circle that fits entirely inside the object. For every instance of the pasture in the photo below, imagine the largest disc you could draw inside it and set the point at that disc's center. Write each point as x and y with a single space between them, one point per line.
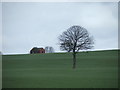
95 69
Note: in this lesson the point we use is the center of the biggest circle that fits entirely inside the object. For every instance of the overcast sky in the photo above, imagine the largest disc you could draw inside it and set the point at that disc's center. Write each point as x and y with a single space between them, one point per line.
28 25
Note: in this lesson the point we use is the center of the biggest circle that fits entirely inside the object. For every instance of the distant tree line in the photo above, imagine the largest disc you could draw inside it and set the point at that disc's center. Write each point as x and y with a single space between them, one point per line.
0 53
49 49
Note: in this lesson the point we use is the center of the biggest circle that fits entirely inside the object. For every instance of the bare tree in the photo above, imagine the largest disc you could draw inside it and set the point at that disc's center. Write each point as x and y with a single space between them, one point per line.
0 53
49 49
46 49
74 39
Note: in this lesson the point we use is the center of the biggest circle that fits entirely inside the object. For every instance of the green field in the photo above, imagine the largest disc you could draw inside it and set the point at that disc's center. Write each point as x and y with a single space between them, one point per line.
95 69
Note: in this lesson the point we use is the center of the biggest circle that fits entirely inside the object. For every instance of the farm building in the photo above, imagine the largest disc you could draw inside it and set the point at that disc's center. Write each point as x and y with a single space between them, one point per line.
37 50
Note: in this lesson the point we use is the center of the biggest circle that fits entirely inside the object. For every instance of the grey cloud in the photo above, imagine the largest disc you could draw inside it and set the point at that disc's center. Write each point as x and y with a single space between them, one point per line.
26 25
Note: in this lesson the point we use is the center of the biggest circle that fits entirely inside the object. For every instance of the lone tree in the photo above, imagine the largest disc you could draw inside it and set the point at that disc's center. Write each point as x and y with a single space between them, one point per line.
74 39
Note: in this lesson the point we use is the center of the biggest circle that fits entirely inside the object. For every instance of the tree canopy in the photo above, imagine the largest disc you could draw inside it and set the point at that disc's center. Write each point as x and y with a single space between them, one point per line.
74 39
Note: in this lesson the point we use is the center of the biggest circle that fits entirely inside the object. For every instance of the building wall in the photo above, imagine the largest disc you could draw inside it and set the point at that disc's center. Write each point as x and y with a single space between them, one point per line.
41 51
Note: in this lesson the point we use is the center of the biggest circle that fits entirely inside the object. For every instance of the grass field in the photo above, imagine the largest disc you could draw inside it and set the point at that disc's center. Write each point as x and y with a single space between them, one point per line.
96 69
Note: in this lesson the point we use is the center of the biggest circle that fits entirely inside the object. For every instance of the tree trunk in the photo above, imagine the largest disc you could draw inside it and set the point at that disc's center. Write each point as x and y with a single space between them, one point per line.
74 60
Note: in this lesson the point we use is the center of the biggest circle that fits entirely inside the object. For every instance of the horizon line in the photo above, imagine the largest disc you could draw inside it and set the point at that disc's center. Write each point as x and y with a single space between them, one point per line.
62 51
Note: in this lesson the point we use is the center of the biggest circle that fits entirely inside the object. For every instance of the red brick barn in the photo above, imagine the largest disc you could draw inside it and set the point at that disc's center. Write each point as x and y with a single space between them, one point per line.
37 50
41 50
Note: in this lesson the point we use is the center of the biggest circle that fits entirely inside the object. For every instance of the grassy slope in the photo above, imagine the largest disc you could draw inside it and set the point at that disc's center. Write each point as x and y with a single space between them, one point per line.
94 70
